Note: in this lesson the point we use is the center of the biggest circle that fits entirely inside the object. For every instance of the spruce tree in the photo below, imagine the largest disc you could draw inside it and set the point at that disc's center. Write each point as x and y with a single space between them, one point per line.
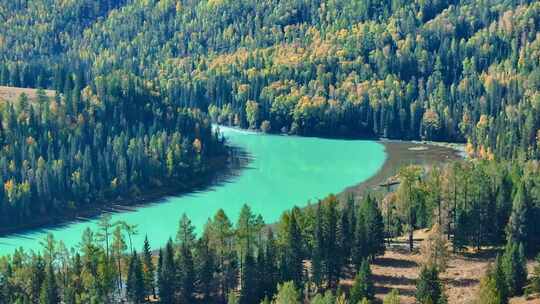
429 289
392 297
499 278
135 280
271 275
49 289
515 268
186 274
148 269
249 288
363 284
488 293
167 274
493 285
374 225
205 267
332 257
317 256
294 267
287 294
517 230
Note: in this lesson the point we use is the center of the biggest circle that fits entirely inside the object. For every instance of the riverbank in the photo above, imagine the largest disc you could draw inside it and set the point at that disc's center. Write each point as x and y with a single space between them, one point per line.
399 154
219 170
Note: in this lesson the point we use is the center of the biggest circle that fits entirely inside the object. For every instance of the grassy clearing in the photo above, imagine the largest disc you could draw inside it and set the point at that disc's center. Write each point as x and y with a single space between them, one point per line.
399 269
11 94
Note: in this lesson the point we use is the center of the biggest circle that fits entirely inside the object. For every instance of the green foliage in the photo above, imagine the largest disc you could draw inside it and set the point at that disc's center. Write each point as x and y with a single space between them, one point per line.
49 289
519 225
493 289
373 227
488 293
429 288
392 297
327 298
515 268
363 284
287 294
135 280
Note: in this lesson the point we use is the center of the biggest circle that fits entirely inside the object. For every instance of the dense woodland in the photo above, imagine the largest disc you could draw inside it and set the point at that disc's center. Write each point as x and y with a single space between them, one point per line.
441 70
301 260
139 82
113 140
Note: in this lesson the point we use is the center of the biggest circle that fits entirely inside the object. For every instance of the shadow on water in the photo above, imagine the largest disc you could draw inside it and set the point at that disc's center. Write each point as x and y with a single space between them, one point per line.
237 161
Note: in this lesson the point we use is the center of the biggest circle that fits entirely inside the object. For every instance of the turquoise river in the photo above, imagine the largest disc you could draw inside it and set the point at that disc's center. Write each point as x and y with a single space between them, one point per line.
285 171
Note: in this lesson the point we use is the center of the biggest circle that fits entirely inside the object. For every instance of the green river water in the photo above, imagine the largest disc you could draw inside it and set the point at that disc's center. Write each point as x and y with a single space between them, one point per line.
285 171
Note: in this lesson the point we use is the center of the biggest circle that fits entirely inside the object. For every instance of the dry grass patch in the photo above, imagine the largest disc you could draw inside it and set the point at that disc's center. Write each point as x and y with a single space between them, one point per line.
399 269
11 94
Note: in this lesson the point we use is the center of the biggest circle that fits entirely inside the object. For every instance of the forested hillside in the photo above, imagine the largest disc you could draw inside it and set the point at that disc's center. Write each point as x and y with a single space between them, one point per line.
102 138
139 82
440 70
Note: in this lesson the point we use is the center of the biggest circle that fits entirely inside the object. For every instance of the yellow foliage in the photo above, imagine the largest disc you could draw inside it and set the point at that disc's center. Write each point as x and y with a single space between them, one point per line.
483 122
469 149
9 186
197 145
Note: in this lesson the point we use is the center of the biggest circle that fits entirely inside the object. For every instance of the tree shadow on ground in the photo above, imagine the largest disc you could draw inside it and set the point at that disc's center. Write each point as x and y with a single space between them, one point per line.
393 280
396 263
386 290
463 282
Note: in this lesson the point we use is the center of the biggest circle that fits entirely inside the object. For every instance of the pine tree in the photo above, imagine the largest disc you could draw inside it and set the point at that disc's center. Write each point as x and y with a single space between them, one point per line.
392 297
294 267
167 274
363 284
332 257
317 257
287 294
493 286
429 288
325 298
515 268
49 289
360 250
374 224
186 274
232 298
518 227
38 273
135 280
488 293
148 269
271 275
249 288
186 267
205 267
499 278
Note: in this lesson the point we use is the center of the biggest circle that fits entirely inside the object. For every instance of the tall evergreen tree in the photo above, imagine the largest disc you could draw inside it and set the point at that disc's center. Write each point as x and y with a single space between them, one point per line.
205 258
317 255
515 268
363 284
293 251
518 226
167 275
135 288
374 227
249 288
49 289
429 288
148 269
332 253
